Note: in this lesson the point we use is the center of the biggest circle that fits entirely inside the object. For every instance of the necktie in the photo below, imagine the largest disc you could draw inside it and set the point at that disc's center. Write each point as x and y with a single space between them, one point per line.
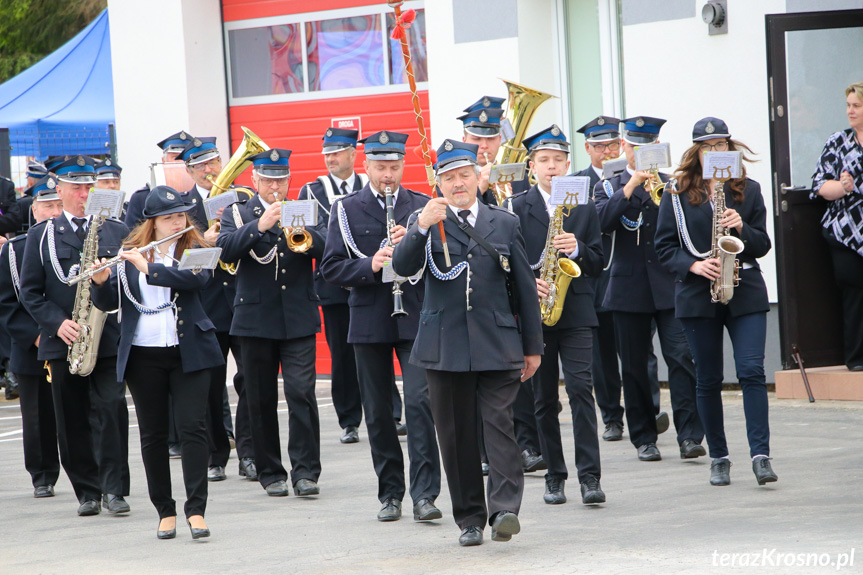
344 188
463 214
81 232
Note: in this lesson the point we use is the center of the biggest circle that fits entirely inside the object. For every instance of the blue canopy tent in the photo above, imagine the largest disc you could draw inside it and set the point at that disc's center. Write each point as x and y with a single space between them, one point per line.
64 103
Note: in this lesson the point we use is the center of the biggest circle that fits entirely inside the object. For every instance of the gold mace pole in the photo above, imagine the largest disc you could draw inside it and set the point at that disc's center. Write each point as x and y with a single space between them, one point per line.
400 33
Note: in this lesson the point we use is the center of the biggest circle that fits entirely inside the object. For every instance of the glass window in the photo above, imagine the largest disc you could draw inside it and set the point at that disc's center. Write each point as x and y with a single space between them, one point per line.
417 42
346 53
266 60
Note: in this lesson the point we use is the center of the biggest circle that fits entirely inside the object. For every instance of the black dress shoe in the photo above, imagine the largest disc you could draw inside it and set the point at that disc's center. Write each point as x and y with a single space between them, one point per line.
350 435
763 472
306 487
277 489
591 492
662 422
554 494
43 491
613 431
115 503
89 507
504 526
198 533
401 428
167 533
11 388
485 468
216 473
855 367
174 451
248 469
391 510
690 450
470 536
720 471
649 452
532 461
425 510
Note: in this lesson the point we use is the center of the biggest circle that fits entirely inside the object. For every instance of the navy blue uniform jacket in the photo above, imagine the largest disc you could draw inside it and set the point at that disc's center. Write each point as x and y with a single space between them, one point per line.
22 328
484 336
692 294
196 334
49 300
275 300
638 283
371 300
578 310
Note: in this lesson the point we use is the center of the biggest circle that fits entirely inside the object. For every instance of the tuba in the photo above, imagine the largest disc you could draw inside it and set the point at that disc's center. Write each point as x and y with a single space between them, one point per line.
238 163
557 272
521 105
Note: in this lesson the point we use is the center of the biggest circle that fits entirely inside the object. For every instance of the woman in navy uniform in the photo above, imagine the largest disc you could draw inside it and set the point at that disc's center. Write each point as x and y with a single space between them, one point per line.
641 291
571 338
167 347
683 242
37 410
276 318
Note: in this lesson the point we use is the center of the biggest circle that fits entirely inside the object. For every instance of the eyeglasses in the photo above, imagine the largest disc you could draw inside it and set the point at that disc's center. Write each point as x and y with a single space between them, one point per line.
611 147
273 182
213 164
718 146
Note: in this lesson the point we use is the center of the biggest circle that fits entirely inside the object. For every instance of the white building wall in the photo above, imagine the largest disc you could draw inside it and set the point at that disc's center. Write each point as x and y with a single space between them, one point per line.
169 75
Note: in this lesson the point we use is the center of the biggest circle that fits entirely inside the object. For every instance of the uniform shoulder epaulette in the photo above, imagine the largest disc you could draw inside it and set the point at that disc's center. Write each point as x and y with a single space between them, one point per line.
42 223
503 210
20 238
418 194
7 179
115 221
518 195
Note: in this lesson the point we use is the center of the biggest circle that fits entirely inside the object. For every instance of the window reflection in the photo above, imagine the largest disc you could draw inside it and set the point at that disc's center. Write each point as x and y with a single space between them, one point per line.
346 53
266 60
417 41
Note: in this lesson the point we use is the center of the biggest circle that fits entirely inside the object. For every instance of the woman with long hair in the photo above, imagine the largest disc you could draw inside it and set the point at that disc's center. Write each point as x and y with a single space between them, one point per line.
167 344
838 179
684 237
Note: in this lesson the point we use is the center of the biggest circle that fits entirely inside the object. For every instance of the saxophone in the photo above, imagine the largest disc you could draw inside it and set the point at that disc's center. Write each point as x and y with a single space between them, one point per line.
84 351
725 248
556 272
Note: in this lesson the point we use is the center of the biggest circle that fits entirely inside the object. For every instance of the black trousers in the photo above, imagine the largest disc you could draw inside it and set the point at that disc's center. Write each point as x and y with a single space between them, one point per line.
375 374
524 419
220 448
345 387
74 397
41 457
575 349
454 397
261 360
633 343
848 272
156 379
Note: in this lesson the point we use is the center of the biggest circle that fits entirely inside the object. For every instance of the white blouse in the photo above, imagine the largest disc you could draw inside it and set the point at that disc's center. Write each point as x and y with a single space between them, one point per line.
159 329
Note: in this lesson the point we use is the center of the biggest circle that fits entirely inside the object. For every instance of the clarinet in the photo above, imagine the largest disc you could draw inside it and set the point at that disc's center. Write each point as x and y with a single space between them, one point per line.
398 307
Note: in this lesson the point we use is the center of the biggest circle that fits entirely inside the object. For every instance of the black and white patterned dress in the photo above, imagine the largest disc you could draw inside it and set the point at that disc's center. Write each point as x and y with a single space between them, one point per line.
844 216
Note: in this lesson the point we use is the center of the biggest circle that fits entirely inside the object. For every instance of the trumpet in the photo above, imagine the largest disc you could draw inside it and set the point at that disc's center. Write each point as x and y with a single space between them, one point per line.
501 193
298 238
87 274
654 186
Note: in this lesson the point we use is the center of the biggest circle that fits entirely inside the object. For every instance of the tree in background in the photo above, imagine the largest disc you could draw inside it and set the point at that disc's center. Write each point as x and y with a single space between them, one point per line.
32 29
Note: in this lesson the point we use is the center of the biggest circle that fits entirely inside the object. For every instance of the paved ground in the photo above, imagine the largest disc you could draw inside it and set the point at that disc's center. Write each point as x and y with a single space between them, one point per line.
660 517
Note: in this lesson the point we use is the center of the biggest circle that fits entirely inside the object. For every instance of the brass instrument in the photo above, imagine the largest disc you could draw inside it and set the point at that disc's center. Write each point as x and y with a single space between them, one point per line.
555 271
654 186
725 247
299 239
522 103
398 306
84 350
236 165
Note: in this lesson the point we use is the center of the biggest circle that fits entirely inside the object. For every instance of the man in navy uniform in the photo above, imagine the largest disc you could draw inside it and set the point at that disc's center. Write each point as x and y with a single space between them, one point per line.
53 248
37 408
356 256
571 337
626 208
171 147
108 175
474 349
340 153
276 319
203 161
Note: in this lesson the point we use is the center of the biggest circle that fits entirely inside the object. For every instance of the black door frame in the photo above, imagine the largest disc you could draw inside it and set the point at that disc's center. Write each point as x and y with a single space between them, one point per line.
810 312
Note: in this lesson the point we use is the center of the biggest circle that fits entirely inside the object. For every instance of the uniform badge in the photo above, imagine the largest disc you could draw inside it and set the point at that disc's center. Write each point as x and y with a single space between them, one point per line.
383 138
81 161
169 195
258 211
184 136
483 117
108 162
274 156
50 184
600 121
486 102
194 200
197 143
504 263
329 132
555 131
448 146
640 122
709 129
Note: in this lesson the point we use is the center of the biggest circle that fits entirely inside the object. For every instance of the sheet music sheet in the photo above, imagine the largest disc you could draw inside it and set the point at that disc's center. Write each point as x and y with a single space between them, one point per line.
213 203
653 156
296 213
721 165
200 259
569 190
108 203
